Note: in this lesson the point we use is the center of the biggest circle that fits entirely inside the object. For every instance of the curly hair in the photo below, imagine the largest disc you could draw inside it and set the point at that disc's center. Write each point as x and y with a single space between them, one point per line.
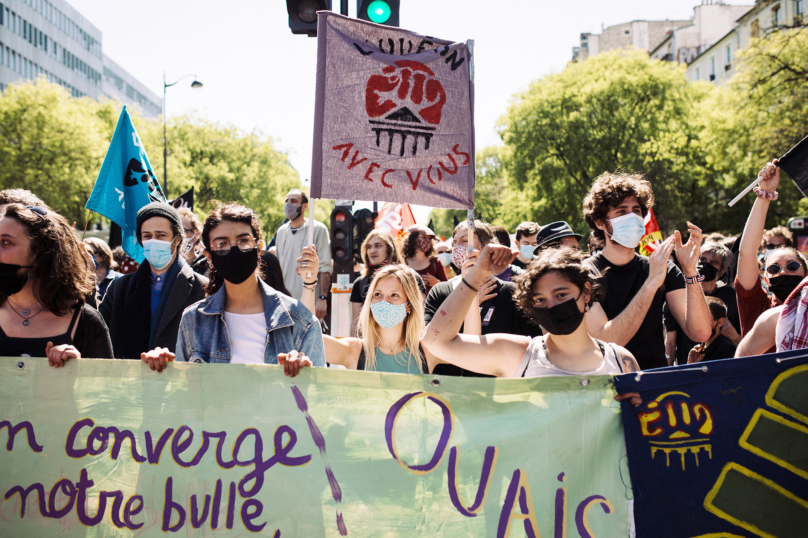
608 191
61 274
409 246
20 196
782 231
232 212
566 261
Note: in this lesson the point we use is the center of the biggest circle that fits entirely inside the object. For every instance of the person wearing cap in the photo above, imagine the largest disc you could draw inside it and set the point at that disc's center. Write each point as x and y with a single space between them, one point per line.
418 249
143 309
556 235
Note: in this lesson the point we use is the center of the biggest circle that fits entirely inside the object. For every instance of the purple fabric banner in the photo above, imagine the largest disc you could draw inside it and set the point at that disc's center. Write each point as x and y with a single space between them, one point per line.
394 116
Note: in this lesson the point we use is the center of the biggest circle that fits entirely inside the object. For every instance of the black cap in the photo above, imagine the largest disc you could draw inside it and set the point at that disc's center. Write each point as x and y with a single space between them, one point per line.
157 209
553 232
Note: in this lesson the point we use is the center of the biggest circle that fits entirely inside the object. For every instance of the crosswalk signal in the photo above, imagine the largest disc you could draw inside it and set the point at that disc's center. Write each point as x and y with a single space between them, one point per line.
303 15
342 231
379 11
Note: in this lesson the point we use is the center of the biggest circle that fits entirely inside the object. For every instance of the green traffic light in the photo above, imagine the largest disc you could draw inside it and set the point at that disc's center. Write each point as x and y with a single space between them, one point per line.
379 11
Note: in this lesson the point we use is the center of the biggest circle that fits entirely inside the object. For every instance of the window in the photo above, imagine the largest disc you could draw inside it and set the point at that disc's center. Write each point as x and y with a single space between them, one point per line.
798 8
776 16
698 73
626 32
755 28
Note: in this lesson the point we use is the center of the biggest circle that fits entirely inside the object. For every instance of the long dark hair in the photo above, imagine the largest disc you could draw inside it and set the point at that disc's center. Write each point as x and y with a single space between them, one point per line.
61 274
233 212
273 274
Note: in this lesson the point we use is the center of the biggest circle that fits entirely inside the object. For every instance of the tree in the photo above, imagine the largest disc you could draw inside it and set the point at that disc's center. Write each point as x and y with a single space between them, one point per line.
617 111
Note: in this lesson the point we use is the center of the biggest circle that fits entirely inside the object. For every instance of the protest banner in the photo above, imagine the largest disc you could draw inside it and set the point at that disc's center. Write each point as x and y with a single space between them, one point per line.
395 218
109 448
394 116
125 183
720 448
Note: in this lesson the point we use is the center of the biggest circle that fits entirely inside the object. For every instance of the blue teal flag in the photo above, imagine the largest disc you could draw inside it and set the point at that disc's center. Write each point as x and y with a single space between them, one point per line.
125 184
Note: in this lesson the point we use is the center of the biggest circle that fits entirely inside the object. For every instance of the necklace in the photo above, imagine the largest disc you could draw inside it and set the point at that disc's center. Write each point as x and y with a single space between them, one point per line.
25 315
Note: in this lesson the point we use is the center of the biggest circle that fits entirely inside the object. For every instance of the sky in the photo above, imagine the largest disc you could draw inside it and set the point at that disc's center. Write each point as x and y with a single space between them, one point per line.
257 75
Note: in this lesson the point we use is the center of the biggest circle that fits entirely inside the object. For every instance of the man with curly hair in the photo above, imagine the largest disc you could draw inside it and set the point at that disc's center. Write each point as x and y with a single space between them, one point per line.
637 287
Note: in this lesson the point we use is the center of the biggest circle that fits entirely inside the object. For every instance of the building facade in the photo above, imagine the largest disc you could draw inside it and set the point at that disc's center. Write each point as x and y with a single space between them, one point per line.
641 34
49 38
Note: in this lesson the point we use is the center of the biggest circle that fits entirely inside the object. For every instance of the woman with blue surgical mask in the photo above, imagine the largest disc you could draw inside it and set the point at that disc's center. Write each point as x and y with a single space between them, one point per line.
390 327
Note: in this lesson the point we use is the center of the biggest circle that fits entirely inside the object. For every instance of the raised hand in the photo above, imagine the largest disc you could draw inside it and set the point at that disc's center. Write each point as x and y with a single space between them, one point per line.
771 176
688 254
487 289
494 259
658 262
308 264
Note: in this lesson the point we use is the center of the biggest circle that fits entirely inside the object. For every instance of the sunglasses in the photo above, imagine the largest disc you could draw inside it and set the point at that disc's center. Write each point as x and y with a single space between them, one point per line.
39 210
792 266
770 246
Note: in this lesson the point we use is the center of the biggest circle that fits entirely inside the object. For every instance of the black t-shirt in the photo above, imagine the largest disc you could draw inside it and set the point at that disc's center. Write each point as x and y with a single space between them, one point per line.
721 348
497 315
359 290
621 283
520 264
685 344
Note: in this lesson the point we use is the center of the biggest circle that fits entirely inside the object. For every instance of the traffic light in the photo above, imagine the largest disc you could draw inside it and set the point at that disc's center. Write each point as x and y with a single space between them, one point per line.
342 231
364 220
303 15
378 11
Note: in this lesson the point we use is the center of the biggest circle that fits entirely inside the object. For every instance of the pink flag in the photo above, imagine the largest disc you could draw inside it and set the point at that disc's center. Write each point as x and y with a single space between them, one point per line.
394 116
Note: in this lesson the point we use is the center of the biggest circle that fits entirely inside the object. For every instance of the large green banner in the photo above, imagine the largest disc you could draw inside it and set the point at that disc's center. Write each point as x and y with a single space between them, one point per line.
109 448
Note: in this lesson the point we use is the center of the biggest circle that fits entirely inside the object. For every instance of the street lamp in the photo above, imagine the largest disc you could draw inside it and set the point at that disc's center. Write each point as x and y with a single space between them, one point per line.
195 85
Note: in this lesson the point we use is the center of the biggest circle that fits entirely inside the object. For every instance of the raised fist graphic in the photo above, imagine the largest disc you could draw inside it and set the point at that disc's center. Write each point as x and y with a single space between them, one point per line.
411 88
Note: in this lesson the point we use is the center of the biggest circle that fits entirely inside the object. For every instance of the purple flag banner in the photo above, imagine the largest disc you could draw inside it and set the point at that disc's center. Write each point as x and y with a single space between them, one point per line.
394 116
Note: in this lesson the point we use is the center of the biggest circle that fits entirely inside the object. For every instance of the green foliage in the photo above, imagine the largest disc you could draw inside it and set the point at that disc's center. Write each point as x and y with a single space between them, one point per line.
53 145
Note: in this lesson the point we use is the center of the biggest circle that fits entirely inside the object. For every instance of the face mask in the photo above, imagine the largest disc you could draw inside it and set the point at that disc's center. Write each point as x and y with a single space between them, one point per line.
527 252
782 286
458 256
237 265
388 315
445 258
186 245
10 283
423 243
562 319
96 261
158 253
292 211
709 272
628 230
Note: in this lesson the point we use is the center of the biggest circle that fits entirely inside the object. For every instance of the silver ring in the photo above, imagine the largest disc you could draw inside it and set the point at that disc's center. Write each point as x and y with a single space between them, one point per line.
304 264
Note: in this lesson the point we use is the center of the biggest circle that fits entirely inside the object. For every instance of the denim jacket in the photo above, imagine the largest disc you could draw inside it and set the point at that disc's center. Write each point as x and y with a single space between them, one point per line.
203 333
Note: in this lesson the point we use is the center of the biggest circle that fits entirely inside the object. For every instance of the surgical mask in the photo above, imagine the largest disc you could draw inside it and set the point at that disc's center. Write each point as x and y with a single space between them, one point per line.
158 253
782 286
187 245
709 272
10 283
628 230
388 315
292 211
96 261
459 255
527 251
562 319
237 265
445 258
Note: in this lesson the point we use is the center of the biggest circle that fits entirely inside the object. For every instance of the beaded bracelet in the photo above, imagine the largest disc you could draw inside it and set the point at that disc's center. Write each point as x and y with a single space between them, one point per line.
768 195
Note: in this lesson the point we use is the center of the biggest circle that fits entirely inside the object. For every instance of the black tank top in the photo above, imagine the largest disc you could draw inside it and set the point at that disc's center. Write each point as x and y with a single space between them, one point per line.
34 347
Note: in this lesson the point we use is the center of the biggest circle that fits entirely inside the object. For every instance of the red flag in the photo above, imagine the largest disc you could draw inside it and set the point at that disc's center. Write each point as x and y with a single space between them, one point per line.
395 218
653 237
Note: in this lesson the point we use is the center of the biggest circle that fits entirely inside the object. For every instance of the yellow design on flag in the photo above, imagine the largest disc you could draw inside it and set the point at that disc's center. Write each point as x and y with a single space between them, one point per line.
653 237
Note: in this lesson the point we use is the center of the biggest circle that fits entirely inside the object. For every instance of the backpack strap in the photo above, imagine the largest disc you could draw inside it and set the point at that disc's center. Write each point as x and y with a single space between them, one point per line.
360 364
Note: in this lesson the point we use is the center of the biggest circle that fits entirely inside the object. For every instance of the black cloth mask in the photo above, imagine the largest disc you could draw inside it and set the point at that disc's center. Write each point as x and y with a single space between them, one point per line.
237 265
562 319
782 286
10 283
709 272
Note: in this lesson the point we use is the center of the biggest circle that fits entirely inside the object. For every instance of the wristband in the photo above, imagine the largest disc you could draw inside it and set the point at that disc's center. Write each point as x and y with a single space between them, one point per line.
694 279
766 195
469 285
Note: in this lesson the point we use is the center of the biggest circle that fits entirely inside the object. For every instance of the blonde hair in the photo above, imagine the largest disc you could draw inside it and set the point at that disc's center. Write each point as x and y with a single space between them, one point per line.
369 330
101 247
392 251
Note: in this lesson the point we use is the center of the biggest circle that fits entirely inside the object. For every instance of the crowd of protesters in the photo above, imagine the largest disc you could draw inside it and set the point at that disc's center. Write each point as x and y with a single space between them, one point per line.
482 303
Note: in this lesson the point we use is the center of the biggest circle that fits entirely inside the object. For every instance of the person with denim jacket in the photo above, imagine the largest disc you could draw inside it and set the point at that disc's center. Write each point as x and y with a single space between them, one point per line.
243 320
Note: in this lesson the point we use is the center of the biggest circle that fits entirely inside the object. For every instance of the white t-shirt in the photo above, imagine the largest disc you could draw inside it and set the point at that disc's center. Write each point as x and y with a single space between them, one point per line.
248 337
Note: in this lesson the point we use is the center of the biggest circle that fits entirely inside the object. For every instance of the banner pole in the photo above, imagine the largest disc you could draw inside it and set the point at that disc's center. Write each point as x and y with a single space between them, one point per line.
310 240
86 221
746 190
470 241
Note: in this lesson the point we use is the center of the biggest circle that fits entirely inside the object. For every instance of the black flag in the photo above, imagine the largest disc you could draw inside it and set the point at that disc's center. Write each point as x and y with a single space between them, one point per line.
186 200
795 164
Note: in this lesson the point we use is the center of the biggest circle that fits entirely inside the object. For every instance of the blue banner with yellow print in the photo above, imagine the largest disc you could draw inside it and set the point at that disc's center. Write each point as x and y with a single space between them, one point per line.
720 449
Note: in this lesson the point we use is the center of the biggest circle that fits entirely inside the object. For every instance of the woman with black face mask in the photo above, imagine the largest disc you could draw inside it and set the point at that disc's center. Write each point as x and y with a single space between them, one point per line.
44 280
555 292
243 320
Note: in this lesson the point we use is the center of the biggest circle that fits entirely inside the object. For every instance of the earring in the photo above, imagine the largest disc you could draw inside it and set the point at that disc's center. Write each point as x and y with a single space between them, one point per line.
31 274
586 308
